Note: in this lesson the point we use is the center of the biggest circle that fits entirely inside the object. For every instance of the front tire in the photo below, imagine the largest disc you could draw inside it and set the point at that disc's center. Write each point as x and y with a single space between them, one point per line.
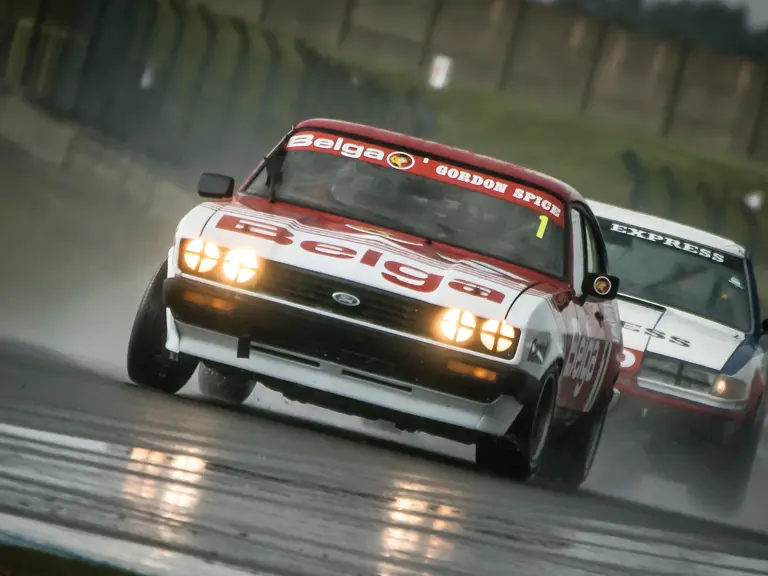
568 458
149 362
517 454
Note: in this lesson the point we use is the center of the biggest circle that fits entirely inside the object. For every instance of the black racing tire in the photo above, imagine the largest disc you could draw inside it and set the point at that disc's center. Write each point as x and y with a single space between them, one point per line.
569 457
149 362
517 455
232 387
721 486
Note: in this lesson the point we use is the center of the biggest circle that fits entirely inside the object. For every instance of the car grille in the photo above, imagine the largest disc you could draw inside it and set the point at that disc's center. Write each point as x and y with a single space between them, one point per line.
658 368
377 307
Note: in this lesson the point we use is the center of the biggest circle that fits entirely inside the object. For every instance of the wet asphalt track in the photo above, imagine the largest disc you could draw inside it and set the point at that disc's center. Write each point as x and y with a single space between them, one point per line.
282 497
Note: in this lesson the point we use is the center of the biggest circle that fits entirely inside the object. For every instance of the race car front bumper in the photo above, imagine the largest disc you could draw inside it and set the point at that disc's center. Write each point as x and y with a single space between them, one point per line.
329 361
674 423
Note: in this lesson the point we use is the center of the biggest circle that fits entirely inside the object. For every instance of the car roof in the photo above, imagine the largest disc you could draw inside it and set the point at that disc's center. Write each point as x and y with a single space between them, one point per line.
397 140
664 226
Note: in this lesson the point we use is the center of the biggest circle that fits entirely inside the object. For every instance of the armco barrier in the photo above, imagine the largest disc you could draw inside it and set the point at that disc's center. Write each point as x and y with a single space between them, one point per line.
119 176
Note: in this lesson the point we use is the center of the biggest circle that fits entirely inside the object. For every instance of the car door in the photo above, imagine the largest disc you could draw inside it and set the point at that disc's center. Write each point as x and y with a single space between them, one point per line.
589 351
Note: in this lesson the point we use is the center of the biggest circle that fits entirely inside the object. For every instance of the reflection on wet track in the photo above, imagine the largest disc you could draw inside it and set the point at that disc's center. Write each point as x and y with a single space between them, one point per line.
282 498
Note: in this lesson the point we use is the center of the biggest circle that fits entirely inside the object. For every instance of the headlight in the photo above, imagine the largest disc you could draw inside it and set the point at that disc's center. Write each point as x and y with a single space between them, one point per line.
497 336
697 377
240 265
659 369
457 326
200 256
729 388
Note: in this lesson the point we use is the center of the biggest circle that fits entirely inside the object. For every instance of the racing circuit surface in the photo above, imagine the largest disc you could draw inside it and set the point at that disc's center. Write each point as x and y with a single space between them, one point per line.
275 494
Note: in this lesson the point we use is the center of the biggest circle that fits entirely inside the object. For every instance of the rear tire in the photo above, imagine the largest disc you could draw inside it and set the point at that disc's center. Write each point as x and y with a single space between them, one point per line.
149 362
233 387
517 454
568 458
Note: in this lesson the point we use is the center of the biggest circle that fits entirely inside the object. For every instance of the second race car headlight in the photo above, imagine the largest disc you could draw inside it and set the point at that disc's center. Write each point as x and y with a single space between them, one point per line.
497 336
729 388
457 326
200 256
240 266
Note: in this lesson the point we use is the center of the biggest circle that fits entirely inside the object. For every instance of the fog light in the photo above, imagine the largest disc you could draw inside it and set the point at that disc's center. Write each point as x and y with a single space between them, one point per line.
473 371
208 301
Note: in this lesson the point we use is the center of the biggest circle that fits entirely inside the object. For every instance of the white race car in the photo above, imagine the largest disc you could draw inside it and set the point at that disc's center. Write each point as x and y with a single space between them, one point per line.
694 368
397 279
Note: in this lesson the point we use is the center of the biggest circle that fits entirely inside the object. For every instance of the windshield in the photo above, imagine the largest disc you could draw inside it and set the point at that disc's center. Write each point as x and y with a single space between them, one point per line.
423 197
680 274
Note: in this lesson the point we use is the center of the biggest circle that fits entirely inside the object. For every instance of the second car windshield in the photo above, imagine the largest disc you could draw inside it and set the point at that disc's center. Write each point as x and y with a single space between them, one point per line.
422 197
680 274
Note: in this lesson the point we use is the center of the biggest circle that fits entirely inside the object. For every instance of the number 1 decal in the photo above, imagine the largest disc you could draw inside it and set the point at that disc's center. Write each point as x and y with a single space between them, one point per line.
543 221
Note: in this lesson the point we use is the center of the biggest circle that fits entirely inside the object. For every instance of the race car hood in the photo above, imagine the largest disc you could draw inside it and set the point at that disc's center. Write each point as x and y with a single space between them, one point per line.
676 334
373 256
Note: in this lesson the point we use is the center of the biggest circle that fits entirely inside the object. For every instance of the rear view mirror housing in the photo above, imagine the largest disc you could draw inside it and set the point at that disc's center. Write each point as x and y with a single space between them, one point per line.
215 186
600 286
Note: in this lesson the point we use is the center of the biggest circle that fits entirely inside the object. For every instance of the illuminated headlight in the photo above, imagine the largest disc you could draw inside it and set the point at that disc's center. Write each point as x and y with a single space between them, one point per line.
729 388
240 266
457 326
497 336
200 256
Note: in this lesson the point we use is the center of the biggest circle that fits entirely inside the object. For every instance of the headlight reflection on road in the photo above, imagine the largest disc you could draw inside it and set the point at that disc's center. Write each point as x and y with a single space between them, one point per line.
416 528
165 480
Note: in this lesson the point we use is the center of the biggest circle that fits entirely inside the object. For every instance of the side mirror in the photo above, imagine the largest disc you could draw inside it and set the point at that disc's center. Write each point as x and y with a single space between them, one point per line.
764 327
600 286
215 186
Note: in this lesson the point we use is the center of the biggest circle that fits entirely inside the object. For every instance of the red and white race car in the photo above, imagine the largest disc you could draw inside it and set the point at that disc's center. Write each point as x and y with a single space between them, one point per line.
393 278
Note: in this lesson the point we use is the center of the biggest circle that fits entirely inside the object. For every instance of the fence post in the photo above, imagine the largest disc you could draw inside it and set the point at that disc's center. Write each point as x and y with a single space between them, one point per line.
346 22
134 100
514 35
674 191
754 135
638 178
594 66
715 206
211 35
155 135
91 54
670 107
33 45
236 82
429 33
7 29
308 86
268 93
753 228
